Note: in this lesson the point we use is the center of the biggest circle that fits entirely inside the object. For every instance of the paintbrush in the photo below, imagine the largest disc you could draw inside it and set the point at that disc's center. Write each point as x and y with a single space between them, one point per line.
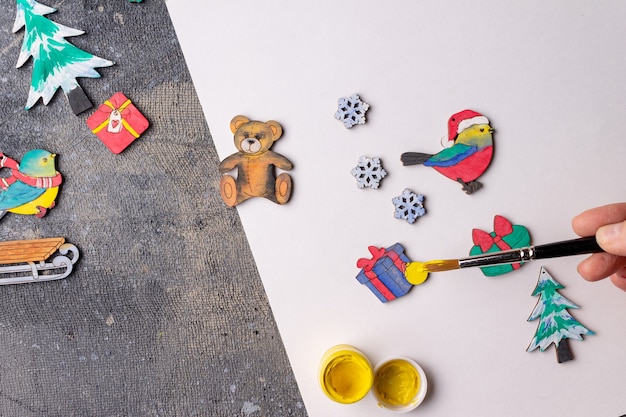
417 272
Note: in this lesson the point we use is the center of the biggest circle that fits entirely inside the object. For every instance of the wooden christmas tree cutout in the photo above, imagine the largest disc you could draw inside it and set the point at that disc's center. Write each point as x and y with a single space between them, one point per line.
56 62
556 324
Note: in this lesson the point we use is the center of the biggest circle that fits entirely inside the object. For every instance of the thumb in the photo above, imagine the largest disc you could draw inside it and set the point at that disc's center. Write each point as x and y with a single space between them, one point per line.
612 238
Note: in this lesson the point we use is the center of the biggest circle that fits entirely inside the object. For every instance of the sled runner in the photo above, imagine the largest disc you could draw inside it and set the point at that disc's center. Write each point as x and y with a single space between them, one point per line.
23 261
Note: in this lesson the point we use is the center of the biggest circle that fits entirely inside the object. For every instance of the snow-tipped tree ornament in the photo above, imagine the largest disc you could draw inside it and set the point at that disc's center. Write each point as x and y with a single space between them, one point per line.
56 62
556 324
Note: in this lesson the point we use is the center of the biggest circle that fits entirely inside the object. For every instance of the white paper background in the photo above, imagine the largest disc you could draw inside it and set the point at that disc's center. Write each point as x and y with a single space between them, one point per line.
549 76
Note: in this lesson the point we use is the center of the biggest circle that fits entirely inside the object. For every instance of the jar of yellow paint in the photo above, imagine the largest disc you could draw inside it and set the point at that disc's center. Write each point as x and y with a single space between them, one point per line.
399 384
346 375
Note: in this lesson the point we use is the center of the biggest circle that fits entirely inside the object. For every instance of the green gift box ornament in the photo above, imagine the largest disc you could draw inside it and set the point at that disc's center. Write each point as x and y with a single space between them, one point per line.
506 236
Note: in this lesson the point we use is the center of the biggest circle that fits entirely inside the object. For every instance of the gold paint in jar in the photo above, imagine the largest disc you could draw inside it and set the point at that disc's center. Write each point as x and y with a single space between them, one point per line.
346 375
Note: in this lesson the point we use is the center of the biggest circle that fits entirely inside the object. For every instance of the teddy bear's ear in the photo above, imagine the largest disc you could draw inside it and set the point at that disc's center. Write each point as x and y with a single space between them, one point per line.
237 122
277 129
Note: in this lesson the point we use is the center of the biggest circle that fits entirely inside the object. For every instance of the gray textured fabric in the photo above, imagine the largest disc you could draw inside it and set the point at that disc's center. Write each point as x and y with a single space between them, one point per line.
165 313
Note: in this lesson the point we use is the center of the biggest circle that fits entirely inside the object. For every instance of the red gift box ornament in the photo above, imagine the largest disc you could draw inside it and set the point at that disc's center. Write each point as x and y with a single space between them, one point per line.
117 123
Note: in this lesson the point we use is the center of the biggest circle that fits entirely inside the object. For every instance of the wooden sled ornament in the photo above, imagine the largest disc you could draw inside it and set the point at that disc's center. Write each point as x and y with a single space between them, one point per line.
24 261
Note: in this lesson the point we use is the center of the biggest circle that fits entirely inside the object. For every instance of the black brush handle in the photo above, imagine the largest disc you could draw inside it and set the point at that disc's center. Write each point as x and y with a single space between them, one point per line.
567 248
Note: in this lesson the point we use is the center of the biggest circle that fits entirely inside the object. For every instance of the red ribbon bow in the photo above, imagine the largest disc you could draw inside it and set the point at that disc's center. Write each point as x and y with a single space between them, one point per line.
501 227
368 264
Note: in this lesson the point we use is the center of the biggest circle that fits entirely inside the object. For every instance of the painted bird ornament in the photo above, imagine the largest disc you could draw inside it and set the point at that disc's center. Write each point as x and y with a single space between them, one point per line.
467 150
31 186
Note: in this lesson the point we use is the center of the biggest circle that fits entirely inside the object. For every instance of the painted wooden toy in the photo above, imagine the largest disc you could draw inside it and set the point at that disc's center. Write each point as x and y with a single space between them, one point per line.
384 272
351 111
117 123
556 324
368 172
504 237
467 153
255 164
409 206
32 186
56 62
23 261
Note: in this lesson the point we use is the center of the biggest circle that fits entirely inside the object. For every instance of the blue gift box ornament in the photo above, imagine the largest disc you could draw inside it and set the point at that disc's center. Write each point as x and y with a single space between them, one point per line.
383 273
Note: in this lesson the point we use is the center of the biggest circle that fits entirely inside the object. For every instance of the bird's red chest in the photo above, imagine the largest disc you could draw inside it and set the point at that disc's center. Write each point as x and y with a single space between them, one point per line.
470 168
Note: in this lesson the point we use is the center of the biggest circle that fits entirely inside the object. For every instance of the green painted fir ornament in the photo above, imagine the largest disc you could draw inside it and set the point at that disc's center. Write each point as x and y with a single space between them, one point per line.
56 62
556 324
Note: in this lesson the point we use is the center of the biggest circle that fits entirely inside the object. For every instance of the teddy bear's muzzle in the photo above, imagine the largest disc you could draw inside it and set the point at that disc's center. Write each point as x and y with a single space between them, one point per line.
250 145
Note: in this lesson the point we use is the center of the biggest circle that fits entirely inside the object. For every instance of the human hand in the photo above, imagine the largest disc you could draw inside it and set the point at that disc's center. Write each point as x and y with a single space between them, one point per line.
608 224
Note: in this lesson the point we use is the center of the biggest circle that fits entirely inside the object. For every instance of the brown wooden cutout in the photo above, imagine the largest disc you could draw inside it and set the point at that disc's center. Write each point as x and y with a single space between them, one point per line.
255 164
23 261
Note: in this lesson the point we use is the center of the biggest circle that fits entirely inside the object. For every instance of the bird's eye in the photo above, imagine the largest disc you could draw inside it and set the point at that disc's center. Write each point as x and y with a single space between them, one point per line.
44 160
482 129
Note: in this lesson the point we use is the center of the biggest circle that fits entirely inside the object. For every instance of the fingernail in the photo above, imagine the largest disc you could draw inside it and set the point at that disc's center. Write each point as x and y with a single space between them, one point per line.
609 232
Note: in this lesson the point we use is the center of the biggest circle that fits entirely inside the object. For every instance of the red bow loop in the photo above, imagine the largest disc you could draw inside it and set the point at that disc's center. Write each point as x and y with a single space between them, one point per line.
105 109
482 239
502 227
368 264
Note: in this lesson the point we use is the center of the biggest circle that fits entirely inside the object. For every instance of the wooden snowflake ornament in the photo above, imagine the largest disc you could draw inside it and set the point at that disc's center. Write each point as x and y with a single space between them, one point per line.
409 206
351 111
368 172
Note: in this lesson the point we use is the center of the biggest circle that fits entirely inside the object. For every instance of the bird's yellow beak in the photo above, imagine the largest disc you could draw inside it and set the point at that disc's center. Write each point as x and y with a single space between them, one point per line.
53 155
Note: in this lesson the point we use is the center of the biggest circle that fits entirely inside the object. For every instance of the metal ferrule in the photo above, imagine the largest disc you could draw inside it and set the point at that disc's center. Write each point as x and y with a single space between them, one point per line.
499 258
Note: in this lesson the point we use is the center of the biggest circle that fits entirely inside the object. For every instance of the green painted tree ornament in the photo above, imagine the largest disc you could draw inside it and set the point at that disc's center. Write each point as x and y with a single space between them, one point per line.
56 62
556 324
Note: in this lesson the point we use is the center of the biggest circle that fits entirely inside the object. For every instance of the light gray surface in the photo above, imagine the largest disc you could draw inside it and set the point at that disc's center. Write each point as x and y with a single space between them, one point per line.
165 313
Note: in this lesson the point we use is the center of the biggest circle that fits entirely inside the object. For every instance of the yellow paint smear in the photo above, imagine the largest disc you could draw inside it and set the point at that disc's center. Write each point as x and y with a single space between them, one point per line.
397 383
346 375
417 272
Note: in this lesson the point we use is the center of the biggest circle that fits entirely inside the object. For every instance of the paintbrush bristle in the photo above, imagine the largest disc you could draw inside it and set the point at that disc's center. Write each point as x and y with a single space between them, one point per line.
441 265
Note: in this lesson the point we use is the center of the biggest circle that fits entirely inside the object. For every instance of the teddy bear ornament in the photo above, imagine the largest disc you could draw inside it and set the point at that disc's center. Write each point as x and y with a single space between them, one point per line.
255 164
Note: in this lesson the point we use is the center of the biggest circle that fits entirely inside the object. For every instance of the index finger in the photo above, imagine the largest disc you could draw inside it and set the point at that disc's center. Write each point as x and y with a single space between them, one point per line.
587 222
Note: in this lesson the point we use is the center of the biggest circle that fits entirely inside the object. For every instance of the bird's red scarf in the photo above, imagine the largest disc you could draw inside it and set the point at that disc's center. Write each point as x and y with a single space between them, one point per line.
16 175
